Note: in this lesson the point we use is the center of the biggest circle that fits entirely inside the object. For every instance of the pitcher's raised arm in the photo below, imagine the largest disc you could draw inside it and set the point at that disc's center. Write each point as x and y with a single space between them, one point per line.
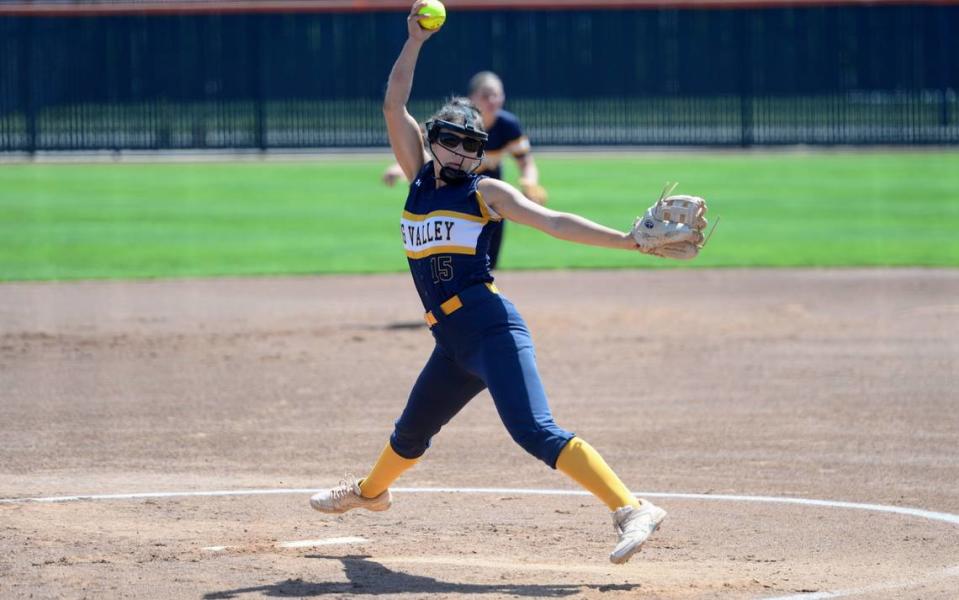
403 130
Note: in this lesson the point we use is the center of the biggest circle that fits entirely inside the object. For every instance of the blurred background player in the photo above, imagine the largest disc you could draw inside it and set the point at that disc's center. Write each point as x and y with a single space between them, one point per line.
505 136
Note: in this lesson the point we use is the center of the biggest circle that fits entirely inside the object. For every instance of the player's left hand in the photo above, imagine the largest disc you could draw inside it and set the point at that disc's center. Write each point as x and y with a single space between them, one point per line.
533 191
392 174
672 227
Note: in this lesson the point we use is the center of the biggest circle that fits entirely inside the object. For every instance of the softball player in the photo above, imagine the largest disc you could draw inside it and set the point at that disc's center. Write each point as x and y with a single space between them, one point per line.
481 340
505 136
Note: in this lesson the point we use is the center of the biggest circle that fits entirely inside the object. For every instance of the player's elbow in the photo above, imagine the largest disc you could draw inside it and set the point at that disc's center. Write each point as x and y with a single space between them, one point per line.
393 106
556 224
390 107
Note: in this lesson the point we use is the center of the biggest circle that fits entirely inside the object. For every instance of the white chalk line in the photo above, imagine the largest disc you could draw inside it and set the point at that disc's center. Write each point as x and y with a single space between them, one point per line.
323 542
943 517
151 495
902 510
299 543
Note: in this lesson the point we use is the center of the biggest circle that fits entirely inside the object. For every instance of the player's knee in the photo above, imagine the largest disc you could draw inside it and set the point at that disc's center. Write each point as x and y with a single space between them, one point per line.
531 444
542 442
409 443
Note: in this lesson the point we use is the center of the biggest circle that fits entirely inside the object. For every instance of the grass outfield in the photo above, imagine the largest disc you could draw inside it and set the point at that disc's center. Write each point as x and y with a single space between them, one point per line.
334 216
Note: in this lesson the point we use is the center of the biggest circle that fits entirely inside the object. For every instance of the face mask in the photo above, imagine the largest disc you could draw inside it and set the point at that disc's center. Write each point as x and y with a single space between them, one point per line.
453 176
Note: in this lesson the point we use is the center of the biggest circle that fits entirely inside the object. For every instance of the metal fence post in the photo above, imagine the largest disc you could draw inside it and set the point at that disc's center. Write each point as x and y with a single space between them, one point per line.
27 96
746 83
944 67
256 26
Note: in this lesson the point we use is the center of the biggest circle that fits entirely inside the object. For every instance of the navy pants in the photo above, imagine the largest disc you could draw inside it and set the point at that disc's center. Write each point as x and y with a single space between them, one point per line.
484 344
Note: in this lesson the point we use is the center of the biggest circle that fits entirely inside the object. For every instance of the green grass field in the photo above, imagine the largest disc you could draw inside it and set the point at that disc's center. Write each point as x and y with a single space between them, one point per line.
334 216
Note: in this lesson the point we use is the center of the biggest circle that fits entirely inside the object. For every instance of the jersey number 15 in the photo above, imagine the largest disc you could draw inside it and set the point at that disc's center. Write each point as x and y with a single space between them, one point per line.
442 267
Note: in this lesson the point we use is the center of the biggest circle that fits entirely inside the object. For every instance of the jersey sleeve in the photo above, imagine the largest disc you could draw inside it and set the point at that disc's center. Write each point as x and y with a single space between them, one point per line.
517 143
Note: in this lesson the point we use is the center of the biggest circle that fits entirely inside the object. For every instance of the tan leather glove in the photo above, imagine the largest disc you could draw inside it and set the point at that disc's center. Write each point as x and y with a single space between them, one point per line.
672 227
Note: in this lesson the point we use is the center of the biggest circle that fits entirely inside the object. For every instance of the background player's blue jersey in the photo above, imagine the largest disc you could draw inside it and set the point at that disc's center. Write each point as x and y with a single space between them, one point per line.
505 136
446 234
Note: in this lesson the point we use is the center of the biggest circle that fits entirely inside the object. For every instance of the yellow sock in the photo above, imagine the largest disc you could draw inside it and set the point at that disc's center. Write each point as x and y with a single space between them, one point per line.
584 465
389 466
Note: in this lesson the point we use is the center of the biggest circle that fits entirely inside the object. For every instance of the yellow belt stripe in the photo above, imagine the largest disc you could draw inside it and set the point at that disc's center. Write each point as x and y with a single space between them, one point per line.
452 305
441 250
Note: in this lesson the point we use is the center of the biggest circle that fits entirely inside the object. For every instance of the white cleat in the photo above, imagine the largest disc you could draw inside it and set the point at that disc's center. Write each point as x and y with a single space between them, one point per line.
634 526
346 496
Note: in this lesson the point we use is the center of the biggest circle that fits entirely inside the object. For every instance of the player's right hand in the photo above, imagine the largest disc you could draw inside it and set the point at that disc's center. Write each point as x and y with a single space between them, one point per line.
416 32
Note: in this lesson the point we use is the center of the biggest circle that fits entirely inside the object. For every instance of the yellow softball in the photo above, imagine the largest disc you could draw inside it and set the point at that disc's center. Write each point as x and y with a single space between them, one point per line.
436 12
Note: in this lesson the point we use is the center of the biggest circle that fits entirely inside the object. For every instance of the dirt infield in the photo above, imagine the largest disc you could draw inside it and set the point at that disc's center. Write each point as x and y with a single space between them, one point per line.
808 384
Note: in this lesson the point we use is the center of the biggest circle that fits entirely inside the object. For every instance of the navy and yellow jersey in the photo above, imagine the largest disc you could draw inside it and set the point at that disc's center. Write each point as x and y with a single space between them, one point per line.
505 136
446 234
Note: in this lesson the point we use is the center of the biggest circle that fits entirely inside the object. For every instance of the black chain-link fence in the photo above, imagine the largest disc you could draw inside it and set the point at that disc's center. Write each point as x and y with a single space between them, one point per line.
812 75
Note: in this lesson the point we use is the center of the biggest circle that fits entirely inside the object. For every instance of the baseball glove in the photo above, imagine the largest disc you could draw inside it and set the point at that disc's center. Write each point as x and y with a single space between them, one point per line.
672 227
534 192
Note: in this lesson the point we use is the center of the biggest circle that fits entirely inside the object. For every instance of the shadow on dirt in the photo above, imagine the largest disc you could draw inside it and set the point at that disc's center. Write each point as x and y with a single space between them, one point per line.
367 577
399 325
